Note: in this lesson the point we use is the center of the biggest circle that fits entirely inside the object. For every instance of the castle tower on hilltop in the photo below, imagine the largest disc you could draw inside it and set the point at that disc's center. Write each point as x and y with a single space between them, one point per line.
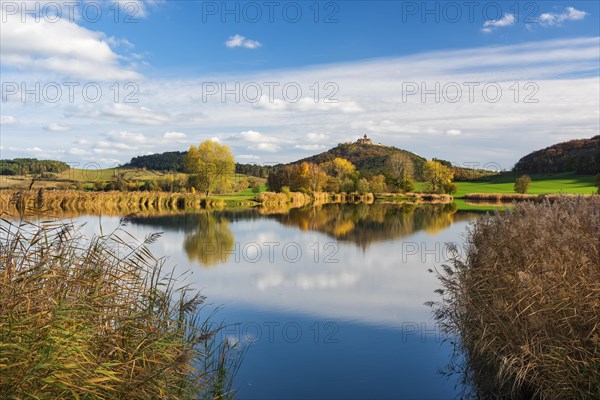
364 140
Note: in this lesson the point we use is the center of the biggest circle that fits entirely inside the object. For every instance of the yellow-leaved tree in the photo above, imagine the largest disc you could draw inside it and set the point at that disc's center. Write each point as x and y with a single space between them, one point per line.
438 177
211 166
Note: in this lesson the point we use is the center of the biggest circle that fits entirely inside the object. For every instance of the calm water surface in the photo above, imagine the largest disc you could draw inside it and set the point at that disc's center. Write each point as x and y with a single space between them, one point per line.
329 299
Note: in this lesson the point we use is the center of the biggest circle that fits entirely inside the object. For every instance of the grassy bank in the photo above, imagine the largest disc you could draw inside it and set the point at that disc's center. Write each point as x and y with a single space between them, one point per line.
566 183
98 318
523 299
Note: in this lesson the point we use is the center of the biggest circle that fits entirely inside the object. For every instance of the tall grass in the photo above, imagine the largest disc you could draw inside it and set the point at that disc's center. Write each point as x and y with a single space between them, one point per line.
509 197
523 302
297 199
104 203
99 318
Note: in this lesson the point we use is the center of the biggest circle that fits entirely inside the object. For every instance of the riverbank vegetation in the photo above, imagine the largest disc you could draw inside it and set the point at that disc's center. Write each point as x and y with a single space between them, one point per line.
101 318
522 301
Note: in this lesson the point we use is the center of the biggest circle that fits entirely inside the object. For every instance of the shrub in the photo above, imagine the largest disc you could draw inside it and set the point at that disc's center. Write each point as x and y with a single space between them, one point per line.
241 185
362 186
377 184
255 185
597 183
80 320
286 190
522 184
524 301
450 187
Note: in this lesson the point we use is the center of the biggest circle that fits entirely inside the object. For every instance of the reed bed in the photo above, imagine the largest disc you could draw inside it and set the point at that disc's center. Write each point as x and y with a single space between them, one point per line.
509 197
99 318
522 303
297 199
100 203
416 198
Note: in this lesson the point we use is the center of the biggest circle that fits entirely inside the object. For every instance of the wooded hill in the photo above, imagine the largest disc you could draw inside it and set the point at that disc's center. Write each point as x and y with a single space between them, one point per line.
371 159
581 156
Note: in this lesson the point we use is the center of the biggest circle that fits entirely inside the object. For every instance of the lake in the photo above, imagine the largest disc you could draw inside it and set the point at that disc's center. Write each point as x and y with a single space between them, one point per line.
328 299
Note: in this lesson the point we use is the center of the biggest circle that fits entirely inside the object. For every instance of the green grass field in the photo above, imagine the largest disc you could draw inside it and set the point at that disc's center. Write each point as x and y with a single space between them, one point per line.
567 183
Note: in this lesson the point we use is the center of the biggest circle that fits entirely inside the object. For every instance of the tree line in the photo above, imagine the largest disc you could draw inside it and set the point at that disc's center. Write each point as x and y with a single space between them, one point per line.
340 175
24 166
174 161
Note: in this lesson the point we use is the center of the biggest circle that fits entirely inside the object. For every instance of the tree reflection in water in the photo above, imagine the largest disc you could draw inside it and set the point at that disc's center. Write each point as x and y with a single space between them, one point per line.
210 240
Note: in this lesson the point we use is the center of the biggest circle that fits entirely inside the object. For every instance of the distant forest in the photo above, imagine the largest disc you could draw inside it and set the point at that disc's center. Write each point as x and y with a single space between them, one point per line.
24 166
172 161
581 156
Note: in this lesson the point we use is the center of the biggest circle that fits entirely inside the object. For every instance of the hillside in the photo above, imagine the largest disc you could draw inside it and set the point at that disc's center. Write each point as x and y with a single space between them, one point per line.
368 158
581 156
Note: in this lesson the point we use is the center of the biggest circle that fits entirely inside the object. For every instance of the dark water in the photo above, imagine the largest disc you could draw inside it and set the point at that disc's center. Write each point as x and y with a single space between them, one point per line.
329 299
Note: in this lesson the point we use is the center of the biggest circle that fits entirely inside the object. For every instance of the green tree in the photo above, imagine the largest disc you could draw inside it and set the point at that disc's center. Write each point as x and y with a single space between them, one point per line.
377 184
598 182
522 184
407 184
437 176
362 186
212 164
398 170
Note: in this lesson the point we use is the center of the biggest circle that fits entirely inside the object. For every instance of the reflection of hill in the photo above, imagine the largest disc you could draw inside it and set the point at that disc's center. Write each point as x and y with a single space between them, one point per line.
364 224
208 237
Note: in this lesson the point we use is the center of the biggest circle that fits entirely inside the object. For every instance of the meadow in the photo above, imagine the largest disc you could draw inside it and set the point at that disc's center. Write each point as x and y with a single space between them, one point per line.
567 183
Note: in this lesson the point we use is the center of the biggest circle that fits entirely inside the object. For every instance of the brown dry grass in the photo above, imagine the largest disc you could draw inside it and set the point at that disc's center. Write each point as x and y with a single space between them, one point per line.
73 202
524 302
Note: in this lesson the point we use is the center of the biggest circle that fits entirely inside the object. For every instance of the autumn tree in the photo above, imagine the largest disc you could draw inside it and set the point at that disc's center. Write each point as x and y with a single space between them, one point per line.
211 164
316 177
377 184
399 170
342 174
522 184
438 177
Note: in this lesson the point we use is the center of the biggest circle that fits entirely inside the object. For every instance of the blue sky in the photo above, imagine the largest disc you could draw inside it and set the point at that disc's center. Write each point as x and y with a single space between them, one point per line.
371 62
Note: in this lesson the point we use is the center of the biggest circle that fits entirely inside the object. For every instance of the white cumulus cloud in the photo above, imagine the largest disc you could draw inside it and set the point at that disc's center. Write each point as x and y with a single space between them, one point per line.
569 14
506 20
55 127
174 136
241 41
8 120
62 47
